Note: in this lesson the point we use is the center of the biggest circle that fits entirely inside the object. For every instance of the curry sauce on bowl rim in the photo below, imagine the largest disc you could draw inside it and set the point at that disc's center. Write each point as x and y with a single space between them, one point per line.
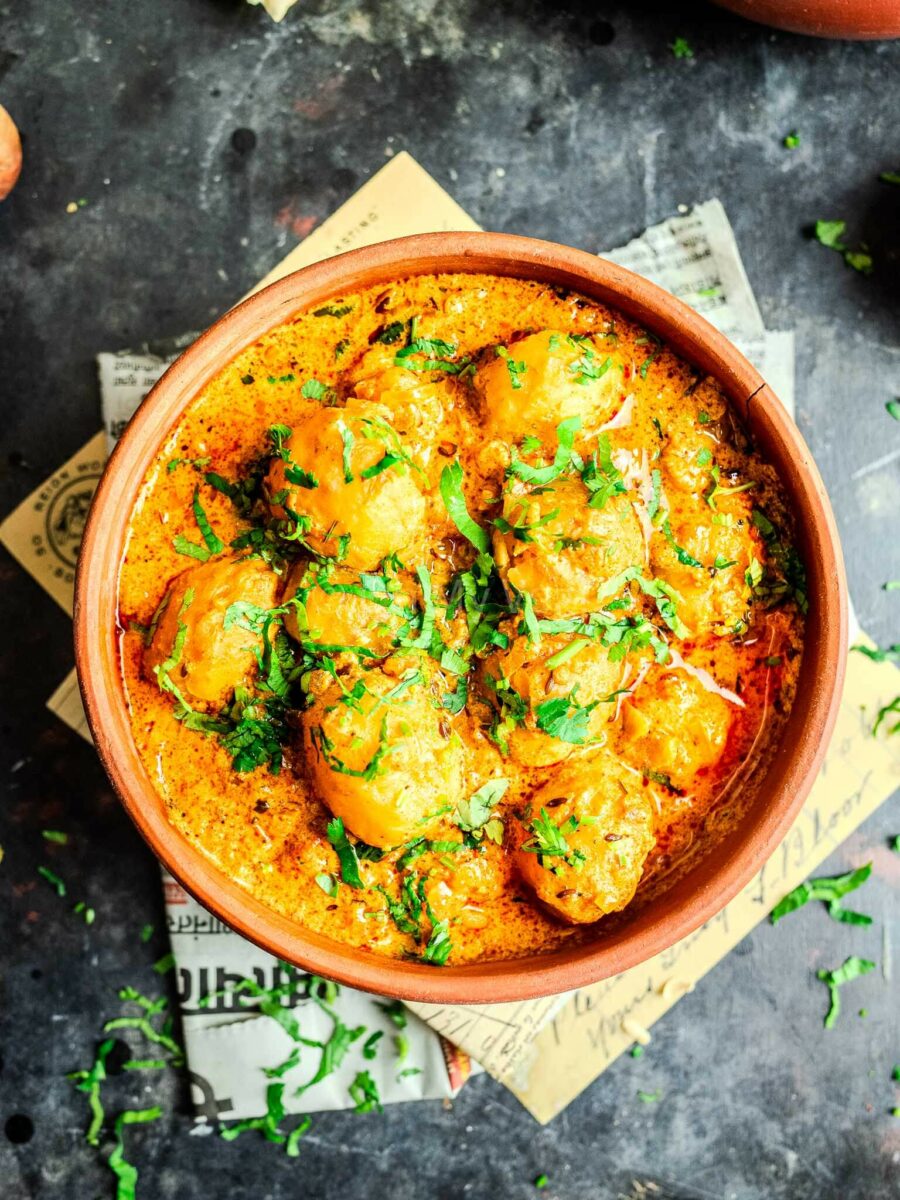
459 616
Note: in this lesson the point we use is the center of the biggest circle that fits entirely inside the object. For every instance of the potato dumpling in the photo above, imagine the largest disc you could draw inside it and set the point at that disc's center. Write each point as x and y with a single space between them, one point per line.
335 607
385 758
531 385
416 407
571 549
207 659
714 596
674 726
584 842
347 472
457 885
542 692
686 455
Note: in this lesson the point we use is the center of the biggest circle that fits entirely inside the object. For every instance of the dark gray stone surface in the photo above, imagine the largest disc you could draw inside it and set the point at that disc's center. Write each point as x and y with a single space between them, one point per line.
599 130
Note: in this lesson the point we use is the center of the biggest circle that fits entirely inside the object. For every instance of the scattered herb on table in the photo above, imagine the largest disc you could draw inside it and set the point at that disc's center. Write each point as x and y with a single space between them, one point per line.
852 968
53 879
54 835
791 140
830 889
893 409
681 48
650 1097
831 233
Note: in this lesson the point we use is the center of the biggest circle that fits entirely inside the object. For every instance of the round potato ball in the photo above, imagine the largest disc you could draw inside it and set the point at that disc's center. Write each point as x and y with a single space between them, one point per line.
344 472
210 651
381 753
342 610
585 838
553 697
559 550
708 566
533 384
675 726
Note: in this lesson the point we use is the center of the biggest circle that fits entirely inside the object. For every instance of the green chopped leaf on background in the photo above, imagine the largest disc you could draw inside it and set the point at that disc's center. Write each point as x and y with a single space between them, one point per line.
852 968
830 889
53 879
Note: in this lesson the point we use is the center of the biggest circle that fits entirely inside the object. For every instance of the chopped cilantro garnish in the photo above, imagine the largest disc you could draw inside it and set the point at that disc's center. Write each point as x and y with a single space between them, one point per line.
830 889
53 879
390 334
601 476
314 389
650 1097
439 945
474 815
388 460
565 433
165 964
54 835
890 709
830 234
331 311
565 719
541 1181
328 883
364 1093
394 1011
455 502
636 1051
548 840
893 409
851 969
791 140
681 554
146 933
880 654
681 48
890 177
346 852
348 439
655 493
124 1171
515 369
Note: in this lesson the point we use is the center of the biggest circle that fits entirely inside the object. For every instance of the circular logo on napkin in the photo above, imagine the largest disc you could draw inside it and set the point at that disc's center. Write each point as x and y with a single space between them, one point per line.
66 514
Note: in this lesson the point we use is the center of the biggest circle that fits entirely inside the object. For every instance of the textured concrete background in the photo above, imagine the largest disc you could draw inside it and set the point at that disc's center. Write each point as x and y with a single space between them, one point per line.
564 120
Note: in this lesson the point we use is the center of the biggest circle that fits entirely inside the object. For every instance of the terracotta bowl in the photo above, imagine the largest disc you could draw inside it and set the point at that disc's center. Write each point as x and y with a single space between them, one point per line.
859 20
694 898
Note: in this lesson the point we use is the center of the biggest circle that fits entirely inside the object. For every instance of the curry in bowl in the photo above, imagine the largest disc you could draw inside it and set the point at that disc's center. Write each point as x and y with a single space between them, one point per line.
457 616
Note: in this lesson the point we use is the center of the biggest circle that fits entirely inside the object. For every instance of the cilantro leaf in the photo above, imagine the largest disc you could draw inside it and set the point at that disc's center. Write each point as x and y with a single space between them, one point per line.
852 968
473 814
214 544
565 434
455 503
346 852
364 1093
830 889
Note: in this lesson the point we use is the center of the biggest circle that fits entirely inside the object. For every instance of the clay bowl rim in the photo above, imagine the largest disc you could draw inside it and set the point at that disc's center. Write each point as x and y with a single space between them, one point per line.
706 888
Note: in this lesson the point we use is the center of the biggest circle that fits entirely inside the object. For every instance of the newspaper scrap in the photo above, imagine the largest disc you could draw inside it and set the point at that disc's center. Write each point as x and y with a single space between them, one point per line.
228 1045
548 1051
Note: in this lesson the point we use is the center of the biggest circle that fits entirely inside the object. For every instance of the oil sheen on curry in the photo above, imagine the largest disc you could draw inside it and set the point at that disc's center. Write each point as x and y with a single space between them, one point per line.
458 616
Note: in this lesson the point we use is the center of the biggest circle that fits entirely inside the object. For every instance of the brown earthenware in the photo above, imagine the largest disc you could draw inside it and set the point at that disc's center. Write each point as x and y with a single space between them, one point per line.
694 898
859 20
